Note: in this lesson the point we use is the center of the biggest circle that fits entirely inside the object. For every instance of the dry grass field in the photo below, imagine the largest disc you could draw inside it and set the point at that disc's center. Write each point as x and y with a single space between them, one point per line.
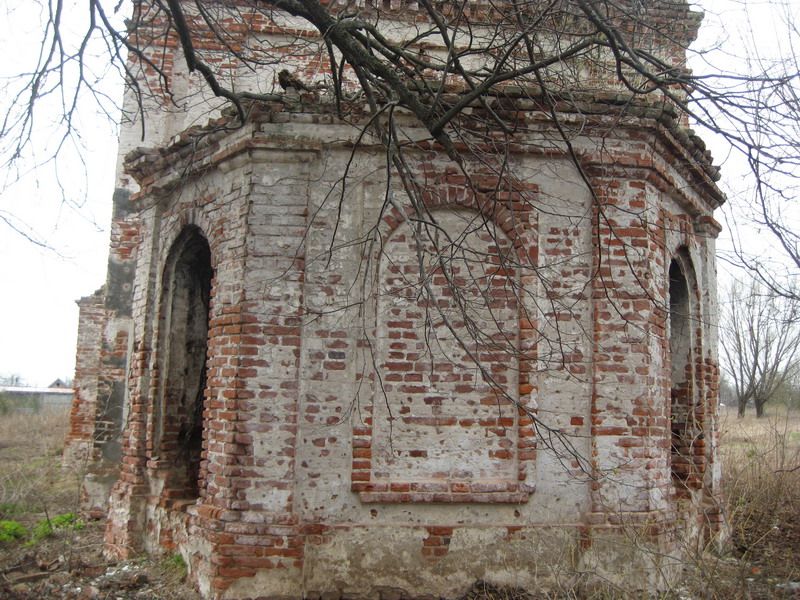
31 478
57 555
761 466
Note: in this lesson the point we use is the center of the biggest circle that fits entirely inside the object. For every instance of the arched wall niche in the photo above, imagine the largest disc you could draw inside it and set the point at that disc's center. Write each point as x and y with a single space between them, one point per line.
182 354
687 412
447 421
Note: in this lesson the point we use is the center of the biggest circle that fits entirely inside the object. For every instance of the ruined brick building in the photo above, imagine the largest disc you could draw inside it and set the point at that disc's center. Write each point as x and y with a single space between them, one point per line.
305 383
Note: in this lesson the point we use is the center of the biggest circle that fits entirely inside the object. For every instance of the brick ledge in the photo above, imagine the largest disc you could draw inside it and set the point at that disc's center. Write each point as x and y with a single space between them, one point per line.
493 492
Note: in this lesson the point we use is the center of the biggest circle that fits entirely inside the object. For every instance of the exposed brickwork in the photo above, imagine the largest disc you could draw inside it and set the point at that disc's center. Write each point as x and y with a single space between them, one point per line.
284 383
467 434
437 542
79 444
390 393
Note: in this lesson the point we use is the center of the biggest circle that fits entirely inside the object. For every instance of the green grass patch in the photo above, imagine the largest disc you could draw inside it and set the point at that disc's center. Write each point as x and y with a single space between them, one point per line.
174 566
11 531
48 527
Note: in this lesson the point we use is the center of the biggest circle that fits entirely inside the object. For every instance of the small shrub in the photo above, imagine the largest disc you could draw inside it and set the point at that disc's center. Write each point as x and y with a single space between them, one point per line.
11 531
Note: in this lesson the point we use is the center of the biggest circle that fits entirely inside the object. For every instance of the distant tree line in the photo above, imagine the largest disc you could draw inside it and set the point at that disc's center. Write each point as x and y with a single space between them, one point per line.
760 347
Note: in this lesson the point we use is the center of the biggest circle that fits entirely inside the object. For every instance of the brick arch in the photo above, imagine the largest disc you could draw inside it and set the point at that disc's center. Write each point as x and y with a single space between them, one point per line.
182 344
687 410
517 224
174 228
439 429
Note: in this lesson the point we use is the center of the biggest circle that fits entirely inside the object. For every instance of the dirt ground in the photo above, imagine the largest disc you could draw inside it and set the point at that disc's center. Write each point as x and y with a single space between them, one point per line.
762 491
68 562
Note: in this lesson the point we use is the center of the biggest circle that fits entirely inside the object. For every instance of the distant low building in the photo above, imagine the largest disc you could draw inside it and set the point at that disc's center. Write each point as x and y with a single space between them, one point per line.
35 399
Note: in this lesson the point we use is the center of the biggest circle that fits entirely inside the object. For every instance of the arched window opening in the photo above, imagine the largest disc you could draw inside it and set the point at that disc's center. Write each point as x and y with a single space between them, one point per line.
685 423
184 342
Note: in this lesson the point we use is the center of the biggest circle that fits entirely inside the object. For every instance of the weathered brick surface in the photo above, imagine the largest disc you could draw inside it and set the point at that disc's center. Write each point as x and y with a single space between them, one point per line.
404 396
79 444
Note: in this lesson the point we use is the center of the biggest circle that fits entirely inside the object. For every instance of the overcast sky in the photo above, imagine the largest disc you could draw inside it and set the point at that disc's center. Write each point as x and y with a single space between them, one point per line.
39 286
68 209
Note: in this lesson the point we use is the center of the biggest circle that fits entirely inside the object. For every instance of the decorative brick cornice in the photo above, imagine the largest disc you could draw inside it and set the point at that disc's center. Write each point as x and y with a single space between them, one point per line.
601 116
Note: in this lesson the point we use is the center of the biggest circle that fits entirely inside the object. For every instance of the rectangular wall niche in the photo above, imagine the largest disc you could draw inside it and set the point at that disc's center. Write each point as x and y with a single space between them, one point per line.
441 429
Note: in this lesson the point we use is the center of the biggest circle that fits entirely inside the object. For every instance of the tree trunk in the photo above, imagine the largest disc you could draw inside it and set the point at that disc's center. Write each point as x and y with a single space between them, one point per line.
741 404
759 407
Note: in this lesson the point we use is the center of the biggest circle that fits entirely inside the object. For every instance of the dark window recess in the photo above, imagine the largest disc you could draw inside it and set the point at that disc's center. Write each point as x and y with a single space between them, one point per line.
184 345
